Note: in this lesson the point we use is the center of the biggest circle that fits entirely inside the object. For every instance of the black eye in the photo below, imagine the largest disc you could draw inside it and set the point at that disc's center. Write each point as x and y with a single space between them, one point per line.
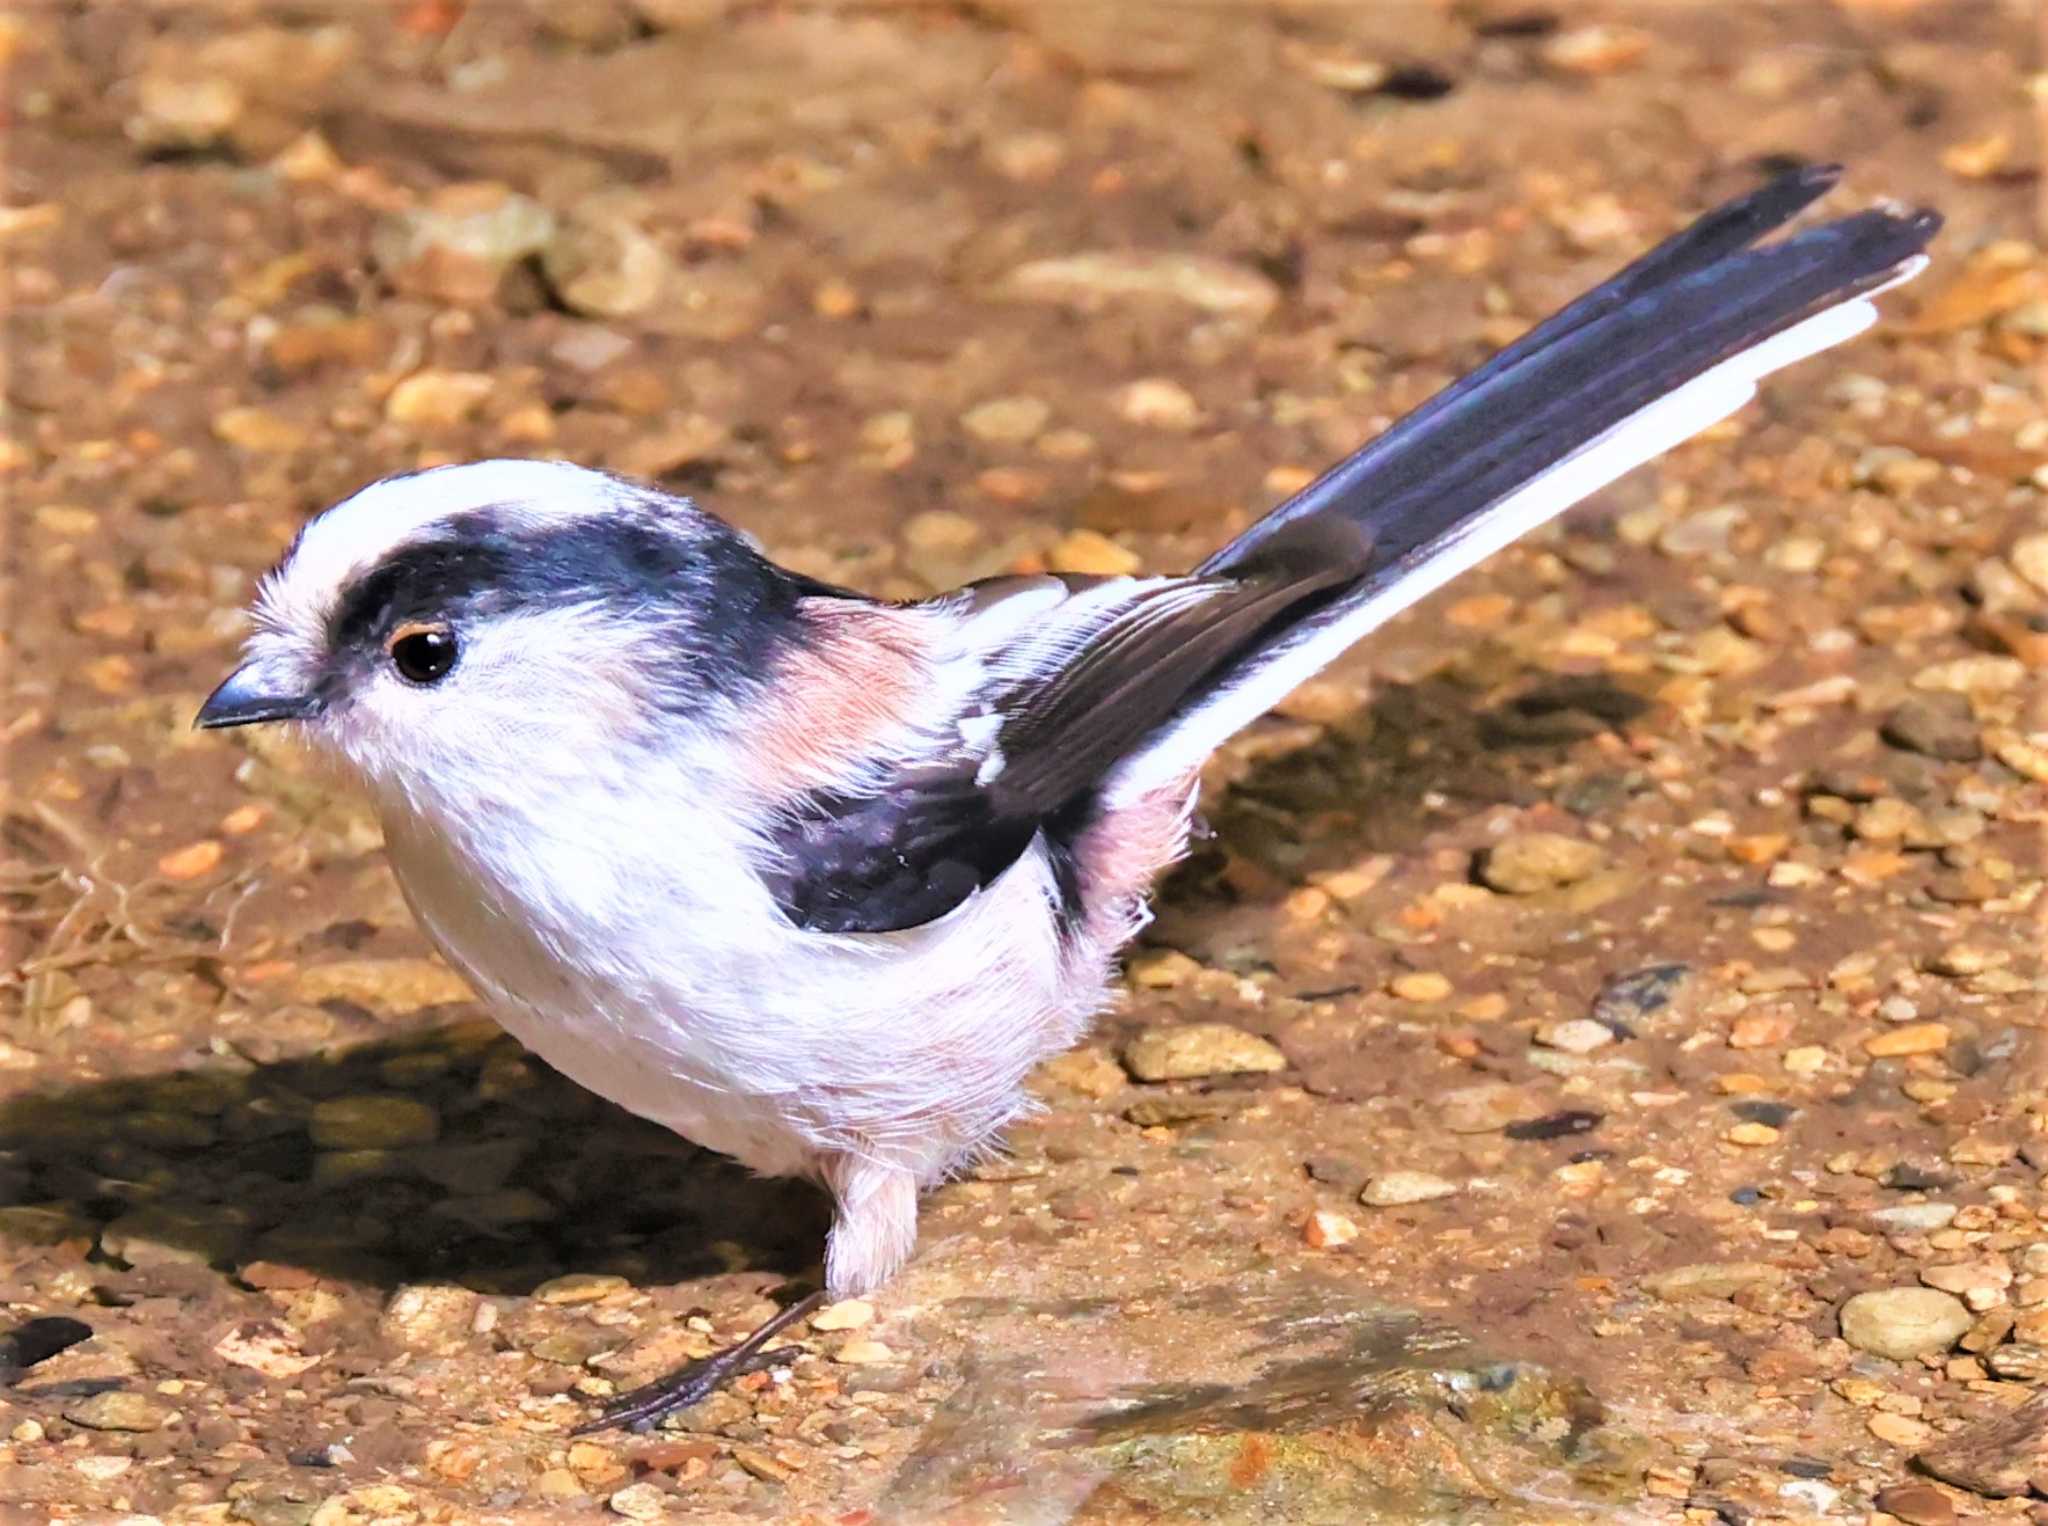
423 654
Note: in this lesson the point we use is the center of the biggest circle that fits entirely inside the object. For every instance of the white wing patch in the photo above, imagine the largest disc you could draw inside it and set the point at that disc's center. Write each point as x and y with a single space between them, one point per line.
1641 437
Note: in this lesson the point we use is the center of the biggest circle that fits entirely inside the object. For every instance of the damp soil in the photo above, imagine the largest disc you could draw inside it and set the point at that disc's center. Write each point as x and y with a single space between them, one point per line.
1638 946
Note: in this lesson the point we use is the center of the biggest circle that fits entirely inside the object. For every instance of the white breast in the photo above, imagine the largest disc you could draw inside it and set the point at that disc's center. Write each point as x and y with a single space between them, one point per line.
623 936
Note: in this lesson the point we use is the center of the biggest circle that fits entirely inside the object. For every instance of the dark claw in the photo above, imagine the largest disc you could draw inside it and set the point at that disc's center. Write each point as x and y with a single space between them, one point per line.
647 1406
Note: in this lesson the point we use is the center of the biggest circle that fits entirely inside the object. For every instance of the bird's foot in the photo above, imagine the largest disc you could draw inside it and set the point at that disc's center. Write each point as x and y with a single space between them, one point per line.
645 1407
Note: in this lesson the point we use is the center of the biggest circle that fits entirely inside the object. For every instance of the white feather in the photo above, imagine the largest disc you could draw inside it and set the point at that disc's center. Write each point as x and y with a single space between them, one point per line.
363 529
1641 437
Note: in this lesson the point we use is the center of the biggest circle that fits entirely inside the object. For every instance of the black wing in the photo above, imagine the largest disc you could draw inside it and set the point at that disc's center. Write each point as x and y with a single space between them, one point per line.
1058 703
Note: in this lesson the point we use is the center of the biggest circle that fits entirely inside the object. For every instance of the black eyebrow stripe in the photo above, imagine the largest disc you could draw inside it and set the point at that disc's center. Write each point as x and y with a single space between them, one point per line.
714 608
443 574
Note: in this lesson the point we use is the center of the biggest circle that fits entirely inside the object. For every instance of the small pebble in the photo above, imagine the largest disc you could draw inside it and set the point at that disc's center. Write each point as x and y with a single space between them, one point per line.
861 1352
2021 1363
579 1287
266 1346
1006 420
373 1121
1634 995
1088 1072
1903 1323
1978 158
118 1411
1759 848
1397 1187
190 862
1711 1279
640 1502
594 1462
1192 1050
258 430
1760 1030
1915 1218
847 1314
1178 1108
2028 759
1937 726
156 1235
382 985
1703 534
176 109
1776 1114
1900 1430
1345 70
1159 403
762 1465
941 530
835 298
1325 1230
602 264
1026 156
458 244
558 1484
1964 1278
1891 821
1092 552
437 1318
1579 1035
1963 960
1530 862
1916 1504
1161 969
2029 558
1420 986
1806 1060
1600 48
437 399
1912 1038
1094 279
1984 674
1486 1108
243 819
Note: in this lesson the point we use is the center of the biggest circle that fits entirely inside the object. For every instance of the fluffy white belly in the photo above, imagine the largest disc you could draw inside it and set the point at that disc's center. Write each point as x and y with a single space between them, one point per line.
658 1081
570 1007
762 1041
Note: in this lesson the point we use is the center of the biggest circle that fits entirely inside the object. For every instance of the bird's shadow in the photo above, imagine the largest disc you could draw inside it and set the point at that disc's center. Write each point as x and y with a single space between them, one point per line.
526 1176
1382 778
500 1174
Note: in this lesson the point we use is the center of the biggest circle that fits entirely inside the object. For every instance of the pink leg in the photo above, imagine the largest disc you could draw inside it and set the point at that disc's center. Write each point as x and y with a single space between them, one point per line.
876 1225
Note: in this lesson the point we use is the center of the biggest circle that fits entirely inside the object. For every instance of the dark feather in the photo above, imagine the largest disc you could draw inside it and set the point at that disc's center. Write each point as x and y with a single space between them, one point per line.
1666 320
878 863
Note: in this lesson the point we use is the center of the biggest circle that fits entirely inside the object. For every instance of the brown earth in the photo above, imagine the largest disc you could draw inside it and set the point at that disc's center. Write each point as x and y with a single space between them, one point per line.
1649 926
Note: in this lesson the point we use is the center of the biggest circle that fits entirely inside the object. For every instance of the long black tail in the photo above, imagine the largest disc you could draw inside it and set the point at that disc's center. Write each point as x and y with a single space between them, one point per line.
1664 349
1695 300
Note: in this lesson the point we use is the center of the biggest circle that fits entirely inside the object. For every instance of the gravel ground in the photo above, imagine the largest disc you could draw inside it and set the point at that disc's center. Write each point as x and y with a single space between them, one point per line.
1597 1068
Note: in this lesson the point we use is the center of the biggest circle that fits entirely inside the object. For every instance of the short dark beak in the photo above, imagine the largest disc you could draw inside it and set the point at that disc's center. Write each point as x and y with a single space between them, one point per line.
246 699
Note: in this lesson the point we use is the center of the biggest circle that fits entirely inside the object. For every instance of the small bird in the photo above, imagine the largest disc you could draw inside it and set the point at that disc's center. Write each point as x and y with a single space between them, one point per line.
815 879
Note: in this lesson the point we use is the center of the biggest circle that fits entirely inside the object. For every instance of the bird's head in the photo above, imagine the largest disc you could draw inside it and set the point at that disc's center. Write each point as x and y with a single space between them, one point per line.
443 630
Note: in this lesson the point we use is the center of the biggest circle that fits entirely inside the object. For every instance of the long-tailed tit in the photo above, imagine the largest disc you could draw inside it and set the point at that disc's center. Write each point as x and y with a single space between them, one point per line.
815 880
